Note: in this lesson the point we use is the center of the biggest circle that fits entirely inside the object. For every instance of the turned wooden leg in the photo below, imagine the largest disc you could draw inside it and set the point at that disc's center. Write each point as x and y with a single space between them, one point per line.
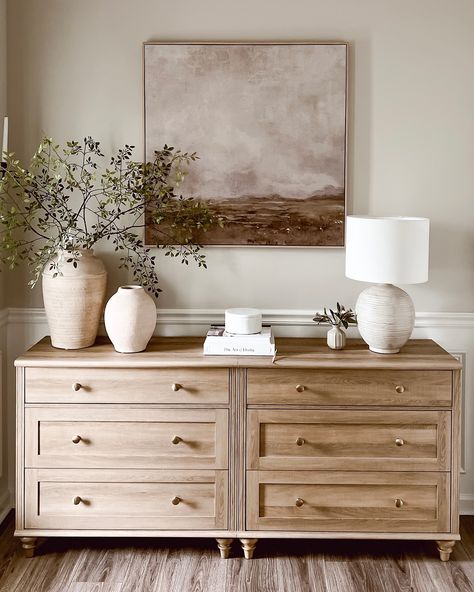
29 545
445 549
248 545
224 547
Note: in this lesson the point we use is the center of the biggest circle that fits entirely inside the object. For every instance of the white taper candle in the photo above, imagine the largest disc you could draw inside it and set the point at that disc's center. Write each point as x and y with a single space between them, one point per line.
5 138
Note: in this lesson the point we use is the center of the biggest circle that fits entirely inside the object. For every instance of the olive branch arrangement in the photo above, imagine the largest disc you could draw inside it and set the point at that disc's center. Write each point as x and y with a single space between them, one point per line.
67 200
337 317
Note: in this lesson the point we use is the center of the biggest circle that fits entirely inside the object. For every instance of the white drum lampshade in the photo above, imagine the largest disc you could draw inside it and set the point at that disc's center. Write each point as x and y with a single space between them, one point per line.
386 251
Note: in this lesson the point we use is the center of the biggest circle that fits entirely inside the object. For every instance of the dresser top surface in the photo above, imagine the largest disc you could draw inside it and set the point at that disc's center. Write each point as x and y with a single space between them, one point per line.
163 352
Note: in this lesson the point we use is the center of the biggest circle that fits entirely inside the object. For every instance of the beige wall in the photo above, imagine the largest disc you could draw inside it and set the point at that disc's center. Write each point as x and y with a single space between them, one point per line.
3 98
4 494
3 63
75 69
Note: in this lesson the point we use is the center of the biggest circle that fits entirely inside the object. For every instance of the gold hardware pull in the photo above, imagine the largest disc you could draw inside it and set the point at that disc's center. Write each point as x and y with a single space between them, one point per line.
76 439
77 500
400 388
176 500
176 386
300 388
76 386
299 502
399 441
399 502
176 440
300 441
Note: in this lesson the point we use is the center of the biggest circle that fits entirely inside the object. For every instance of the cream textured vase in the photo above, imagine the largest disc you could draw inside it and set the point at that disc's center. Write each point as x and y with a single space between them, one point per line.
336 338
74 301
385 318
130 319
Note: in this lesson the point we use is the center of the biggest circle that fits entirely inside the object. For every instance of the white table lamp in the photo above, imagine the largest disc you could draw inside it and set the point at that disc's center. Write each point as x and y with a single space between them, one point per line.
386 251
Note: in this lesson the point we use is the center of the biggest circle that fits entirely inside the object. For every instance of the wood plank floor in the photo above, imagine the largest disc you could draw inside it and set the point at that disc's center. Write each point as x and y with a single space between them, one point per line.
181 565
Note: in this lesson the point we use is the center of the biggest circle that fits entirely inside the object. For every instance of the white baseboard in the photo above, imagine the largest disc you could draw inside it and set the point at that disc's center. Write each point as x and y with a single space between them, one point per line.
466 506
5 505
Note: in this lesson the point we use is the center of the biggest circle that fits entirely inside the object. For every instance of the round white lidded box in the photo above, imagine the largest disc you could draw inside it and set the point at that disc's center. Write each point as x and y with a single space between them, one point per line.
243 321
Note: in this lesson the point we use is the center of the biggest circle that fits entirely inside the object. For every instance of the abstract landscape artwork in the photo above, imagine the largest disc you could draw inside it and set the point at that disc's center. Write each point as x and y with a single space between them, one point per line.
268 122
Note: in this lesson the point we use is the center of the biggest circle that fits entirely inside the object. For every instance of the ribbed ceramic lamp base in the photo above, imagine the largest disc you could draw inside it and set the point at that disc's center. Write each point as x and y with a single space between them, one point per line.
385 318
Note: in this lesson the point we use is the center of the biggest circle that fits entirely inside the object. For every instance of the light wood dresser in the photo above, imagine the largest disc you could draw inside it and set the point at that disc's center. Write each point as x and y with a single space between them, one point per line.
317 444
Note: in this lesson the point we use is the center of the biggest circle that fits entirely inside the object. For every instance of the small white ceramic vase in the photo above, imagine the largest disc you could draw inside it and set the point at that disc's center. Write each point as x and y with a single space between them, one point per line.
130 319
336 338
74 300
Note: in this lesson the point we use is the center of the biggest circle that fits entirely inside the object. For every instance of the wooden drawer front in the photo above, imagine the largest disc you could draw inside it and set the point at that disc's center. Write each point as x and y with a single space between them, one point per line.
347 501
88 437
349 387
122 385
114 499
349 440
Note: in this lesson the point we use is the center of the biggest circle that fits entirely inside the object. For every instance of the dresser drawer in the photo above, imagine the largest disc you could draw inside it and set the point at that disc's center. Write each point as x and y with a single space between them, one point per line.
349 387
349 440
347 501
122 385
91 437
115 499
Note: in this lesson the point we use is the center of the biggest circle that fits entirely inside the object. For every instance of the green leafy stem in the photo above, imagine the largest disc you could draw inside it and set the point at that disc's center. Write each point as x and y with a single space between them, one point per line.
67 200
340 316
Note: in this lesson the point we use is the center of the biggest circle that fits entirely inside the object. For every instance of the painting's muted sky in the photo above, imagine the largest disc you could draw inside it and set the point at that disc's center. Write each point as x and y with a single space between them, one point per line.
264 120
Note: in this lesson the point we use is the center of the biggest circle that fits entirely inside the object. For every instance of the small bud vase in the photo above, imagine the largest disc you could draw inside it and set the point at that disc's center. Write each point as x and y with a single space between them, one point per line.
336 338
130 319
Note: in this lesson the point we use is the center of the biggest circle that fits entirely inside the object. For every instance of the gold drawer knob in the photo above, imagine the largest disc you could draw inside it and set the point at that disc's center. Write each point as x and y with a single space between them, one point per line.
300 388
300 441
176 500
77 500
76 386
176 440
76 439
176 386
400 388
299 502
399 502
399 441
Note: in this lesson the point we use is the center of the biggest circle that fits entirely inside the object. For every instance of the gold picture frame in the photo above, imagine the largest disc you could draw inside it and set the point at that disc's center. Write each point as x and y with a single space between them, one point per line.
269 123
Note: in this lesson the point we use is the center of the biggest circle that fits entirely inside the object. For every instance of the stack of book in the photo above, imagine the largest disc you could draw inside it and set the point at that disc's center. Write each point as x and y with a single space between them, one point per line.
220 343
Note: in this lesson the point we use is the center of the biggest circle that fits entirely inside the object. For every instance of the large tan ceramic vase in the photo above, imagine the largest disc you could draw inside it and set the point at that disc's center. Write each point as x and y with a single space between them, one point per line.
74 301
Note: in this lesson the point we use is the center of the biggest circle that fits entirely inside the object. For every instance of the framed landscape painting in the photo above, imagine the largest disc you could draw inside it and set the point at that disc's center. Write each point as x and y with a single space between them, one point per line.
268 122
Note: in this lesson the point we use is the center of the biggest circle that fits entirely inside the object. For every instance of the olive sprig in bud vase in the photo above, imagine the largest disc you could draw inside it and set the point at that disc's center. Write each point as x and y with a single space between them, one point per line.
336 337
